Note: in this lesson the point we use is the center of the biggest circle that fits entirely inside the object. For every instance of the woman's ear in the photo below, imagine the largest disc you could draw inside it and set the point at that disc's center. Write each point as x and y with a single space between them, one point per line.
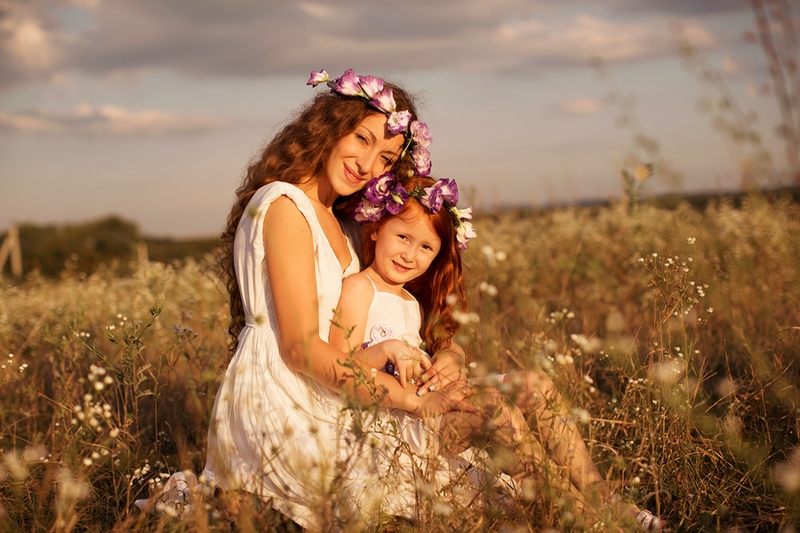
374 236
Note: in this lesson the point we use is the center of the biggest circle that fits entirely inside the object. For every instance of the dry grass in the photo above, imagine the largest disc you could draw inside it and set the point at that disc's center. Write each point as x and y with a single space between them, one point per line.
673 333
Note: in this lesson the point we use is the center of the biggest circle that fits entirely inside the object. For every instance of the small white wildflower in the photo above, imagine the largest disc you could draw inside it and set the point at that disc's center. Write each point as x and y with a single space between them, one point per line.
690 240
710 310
108 380
99 385
95 455
588 379
87 461
114 433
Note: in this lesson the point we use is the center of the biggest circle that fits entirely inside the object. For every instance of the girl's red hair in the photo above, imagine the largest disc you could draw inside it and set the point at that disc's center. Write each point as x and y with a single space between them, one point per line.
440 289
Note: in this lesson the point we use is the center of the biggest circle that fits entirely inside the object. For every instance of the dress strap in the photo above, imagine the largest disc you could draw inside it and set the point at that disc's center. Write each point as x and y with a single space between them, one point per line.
374 287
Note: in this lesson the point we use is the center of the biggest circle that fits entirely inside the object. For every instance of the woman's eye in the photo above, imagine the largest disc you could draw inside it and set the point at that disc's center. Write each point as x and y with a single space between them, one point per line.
387 161
361 138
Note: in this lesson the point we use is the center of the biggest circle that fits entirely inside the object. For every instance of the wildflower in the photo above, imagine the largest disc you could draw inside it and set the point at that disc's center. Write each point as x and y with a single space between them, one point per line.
473 365
99 386
87 461
690 240
442 508
787 473
488 288
114 433
710 310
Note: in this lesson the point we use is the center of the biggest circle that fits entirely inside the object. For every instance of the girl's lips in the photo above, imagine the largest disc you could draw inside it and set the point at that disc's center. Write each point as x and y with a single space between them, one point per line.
400 267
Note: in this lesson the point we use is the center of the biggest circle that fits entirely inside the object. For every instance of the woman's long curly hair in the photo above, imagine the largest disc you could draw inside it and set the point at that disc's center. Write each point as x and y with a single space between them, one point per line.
296 154
440 289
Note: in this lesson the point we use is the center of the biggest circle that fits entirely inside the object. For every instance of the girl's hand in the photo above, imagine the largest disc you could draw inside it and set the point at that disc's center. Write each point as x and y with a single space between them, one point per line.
409 361
443 401
447 367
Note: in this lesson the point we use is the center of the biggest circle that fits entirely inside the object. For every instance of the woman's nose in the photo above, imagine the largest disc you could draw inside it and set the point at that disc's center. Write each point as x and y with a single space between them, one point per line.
366 163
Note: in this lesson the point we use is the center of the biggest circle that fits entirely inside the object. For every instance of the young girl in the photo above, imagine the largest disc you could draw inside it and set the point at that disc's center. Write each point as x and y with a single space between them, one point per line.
412 238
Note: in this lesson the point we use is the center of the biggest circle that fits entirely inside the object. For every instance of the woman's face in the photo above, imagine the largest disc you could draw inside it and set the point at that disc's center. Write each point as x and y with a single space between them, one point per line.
366 153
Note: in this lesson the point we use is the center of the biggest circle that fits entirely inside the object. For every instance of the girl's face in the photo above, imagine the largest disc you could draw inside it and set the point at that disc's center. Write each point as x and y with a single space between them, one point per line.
366 153
404 250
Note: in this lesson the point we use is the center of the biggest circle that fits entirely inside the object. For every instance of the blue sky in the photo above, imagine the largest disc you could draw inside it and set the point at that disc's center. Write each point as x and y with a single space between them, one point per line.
151 109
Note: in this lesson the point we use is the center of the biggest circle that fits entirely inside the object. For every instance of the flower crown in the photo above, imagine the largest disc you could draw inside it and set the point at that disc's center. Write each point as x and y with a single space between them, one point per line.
385 194
381 98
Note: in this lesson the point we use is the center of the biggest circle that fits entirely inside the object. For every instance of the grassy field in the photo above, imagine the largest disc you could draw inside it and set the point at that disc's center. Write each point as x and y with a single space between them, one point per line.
674 333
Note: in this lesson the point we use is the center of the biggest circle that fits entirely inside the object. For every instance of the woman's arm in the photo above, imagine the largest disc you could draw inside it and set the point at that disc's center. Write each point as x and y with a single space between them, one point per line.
289 252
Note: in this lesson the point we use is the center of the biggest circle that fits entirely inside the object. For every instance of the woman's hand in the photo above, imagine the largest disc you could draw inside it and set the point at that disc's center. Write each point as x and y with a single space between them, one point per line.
447 367
409 361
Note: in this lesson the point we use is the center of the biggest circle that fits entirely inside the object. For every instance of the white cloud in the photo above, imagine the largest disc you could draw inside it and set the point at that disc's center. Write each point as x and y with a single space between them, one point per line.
581 106
108 121
252 38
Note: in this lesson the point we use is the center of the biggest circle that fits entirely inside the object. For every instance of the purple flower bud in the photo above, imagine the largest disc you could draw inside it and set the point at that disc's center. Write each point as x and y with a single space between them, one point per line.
397 199
422 160
347 84
398 121
371 85
464 232
383 101
433 198
317 78
420 133
378 189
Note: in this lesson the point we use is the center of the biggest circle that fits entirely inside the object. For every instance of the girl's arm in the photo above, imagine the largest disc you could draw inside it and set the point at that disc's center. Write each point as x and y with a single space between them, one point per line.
448 367
289 252
349 329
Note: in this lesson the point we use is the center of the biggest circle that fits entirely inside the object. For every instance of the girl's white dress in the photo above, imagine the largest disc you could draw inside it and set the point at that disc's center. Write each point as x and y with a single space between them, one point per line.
282 435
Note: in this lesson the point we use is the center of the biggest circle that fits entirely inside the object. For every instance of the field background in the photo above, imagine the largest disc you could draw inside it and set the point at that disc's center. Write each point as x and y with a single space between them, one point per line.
676 329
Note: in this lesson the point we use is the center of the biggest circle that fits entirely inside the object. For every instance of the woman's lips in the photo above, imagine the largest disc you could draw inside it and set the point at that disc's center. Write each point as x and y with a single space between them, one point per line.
351 176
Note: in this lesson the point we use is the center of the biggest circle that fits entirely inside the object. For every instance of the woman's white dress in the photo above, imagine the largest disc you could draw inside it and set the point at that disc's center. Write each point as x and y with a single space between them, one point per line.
283 436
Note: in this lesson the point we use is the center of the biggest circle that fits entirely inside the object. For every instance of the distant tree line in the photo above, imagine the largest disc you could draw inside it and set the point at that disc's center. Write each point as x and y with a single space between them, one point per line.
84 247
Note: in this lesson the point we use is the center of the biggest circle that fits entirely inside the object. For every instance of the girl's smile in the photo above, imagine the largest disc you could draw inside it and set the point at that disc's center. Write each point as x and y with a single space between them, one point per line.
404 249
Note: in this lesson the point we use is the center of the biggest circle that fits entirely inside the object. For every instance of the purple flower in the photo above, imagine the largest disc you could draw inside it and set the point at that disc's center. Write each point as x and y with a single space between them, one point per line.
348 84
317 78
422 160
420 133
378 189
397 199
444 190
383 101
371 85
366 211
449 190
398 122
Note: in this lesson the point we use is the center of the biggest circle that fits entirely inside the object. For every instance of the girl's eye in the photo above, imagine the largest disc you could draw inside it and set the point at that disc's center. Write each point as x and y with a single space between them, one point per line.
361 138
387 161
